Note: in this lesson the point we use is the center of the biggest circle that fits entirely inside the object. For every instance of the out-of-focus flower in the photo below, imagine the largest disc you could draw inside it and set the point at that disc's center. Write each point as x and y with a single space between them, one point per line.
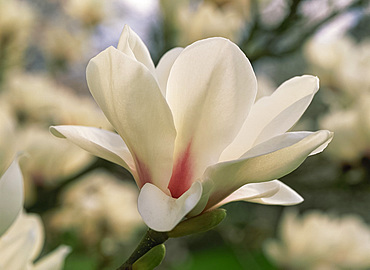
318 241
38 101
343 65
342 62
352 128
327 56
22 244
350 143
90 12
50 160
354 77
190 131
16 21
21 235
62 46
241 6
207 20
36 98
85 204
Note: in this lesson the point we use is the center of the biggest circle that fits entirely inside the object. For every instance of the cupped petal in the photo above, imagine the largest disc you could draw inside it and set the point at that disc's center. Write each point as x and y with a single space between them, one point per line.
164 67
102 143
267 161
131 99
162 212
11 196
131 44
273 115
272 192
210 90
54 260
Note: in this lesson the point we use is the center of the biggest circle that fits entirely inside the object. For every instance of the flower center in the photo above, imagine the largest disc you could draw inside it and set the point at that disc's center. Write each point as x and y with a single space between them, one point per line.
181 178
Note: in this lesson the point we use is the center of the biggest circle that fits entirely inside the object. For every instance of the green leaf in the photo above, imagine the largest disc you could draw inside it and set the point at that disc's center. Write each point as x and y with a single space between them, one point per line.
151 259
201 223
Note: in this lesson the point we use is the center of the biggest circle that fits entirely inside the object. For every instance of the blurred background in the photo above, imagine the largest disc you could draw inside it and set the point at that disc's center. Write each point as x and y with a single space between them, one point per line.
45 46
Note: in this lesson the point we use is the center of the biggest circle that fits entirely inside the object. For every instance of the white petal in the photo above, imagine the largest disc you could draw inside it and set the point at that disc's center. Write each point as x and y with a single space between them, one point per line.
131 44
11 196
273 115
22 243
54 260
210 90
164 67
132 101
267 161
162 212
7 142
272 192
16 255
99 142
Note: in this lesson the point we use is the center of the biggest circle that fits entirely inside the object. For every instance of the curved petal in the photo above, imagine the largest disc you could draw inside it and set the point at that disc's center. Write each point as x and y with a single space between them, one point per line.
22 243
162 212
273 115
164 67
131 99
267 161
11 196
272 192
54 260
210 90
131 44
17 253
7 142
102 143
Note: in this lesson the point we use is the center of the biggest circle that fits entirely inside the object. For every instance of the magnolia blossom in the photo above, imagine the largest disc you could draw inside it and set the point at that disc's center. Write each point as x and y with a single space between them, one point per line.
190 131
17 19
11 183
44 101
22 244
21 235
207 20
342 63
352 128
90 12
318 241
59 44
49 160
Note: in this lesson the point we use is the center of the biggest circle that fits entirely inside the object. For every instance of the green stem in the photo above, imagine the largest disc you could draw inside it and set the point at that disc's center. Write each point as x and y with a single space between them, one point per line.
150 240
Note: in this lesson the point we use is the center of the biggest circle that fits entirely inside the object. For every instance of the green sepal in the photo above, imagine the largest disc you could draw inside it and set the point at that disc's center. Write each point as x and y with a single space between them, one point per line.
151 259
201 223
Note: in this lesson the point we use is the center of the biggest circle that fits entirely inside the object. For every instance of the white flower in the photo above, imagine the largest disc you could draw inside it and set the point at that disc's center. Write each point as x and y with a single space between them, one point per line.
321 242
22 244
352 128
44 101
90 12
189 130
21 235
11 183
48 160
16 22
207 20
